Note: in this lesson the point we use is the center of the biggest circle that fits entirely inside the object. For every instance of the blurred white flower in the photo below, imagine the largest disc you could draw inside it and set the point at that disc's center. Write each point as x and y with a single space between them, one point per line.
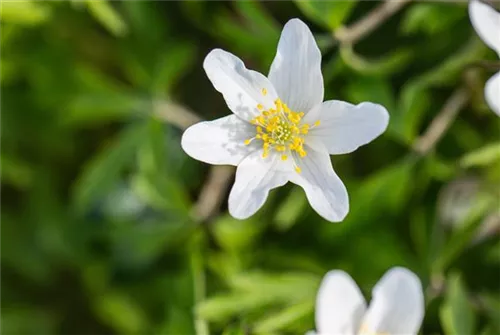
281 129
397 306
486 22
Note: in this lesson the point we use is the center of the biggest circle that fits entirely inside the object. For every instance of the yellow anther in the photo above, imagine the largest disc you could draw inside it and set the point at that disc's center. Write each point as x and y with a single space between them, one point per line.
317 123
280 129
264 91
298 170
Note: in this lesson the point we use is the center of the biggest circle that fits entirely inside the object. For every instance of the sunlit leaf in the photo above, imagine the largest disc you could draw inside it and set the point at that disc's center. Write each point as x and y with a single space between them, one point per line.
456 314
279 320
432 18
121 312
483 156
330 14
104 12
24 12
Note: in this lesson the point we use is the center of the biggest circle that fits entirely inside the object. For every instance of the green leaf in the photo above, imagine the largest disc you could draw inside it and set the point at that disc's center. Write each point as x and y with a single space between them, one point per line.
97 109
330 14
289 287
490 302
431 18
253 291
105 168
233 234
172 64
29 13
391 186
290 209
456 314
223 307
162 193
15 171
414 101
104 12
121 312
484 156
282 319
233 330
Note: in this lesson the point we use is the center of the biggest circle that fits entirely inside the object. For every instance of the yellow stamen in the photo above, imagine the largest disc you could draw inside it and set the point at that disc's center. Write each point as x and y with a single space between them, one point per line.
317 123
282 130
298 170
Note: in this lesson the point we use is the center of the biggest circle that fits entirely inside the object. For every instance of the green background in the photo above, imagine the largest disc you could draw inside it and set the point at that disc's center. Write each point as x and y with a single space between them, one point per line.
98 232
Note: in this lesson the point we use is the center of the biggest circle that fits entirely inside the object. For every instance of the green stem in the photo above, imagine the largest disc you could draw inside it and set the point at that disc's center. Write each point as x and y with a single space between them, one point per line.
197 268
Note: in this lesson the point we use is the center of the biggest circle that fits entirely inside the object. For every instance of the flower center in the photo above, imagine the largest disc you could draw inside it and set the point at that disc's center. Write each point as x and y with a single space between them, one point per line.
280 129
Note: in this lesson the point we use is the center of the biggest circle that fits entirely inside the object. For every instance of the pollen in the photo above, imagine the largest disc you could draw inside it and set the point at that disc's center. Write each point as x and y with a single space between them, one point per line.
282 130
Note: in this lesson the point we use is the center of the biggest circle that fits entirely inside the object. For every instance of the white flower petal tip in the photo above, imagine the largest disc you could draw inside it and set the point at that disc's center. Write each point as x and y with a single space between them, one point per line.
397 305
324 190
255 177
240 87
486 22
339 305
221 141
296 68
345 127
492 93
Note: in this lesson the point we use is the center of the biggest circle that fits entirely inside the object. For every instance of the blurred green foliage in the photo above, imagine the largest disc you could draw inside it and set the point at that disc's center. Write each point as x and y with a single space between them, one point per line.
97 195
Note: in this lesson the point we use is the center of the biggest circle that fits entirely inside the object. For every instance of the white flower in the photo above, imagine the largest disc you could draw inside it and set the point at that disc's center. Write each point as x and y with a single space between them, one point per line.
486 22
281 129
397 306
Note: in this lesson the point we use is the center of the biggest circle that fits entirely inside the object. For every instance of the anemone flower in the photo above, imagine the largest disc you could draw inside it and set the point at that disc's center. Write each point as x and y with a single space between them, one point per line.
280 129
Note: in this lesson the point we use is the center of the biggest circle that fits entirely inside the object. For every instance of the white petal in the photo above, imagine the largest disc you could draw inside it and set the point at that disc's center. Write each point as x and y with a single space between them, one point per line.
345 127
242 88
492 93
296 69
486 22
339 305
255 177
220 141
324 189
397 306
